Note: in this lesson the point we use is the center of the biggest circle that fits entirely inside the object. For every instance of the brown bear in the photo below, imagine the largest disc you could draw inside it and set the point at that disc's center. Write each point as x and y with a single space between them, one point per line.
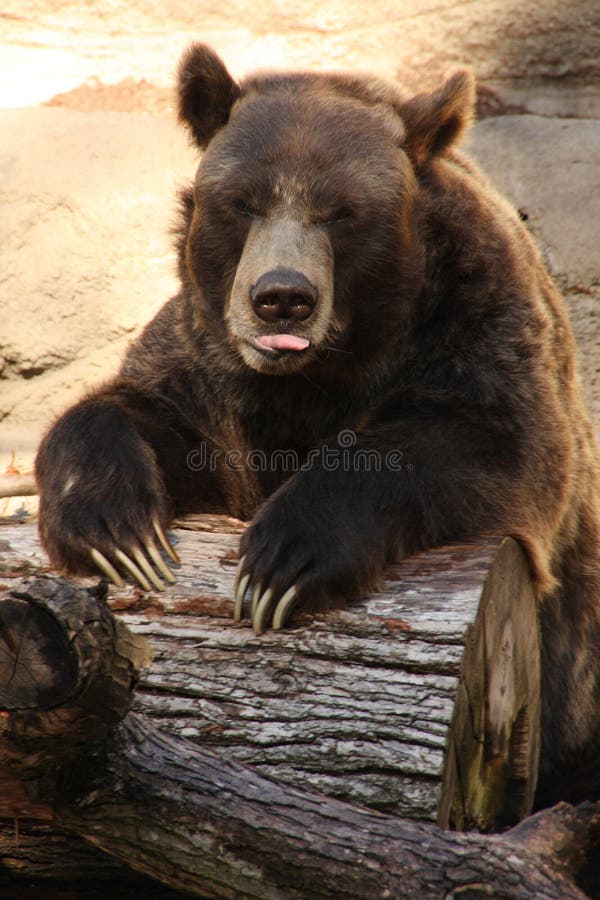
367 357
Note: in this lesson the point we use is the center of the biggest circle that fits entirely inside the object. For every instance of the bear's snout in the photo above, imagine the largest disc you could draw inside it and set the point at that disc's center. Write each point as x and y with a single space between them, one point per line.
283 294
281 299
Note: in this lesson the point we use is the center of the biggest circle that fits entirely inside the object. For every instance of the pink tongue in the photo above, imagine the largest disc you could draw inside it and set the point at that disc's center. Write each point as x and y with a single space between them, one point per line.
283 342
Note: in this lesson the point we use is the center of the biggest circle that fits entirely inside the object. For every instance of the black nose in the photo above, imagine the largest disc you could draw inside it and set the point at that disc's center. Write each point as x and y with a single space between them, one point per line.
283 294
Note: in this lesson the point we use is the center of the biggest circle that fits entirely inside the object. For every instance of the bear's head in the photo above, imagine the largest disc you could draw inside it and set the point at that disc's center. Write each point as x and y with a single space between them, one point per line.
301 243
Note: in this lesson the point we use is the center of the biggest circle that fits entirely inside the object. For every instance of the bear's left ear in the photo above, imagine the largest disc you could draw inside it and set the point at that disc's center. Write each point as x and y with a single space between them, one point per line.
434 122
205 92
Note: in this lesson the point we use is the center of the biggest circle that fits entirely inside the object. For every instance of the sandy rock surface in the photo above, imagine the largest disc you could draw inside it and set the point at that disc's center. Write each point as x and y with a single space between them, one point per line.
550 170
87 201
53 47
90 157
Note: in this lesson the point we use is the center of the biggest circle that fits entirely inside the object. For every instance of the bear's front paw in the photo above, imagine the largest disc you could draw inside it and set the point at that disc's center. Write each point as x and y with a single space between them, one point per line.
146 555
102 501
295 557
85 534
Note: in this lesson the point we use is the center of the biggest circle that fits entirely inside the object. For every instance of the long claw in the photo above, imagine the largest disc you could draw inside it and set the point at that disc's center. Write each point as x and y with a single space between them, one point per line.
159 561
133 570
238 610
256 594
263 611
165 541
147 569
105 566
238 575
284 607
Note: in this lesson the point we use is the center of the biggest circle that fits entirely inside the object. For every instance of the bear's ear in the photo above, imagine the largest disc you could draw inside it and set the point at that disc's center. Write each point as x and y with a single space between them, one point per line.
205 92
434 122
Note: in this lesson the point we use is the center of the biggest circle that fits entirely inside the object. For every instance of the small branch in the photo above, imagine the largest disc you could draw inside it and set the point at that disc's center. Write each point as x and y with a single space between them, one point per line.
17 486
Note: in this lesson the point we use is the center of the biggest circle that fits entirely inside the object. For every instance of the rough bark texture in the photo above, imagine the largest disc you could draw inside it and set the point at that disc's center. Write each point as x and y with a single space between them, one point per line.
224 831
215 828
358 704
67 672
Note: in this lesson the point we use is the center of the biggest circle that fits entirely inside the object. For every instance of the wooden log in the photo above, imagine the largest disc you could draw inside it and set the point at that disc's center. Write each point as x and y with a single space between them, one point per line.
67 672
212 827
39 861
17 485
188 816
359 704
192 818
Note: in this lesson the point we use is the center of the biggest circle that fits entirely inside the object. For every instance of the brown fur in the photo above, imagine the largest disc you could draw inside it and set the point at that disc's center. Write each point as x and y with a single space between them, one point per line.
437 335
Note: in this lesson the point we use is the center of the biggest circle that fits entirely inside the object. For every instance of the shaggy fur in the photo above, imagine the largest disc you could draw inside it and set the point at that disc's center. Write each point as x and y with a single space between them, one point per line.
438 337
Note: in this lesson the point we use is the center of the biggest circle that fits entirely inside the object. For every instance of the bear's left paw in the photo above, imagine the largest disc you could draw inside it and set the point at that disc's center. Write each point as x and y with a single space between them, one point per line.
291 559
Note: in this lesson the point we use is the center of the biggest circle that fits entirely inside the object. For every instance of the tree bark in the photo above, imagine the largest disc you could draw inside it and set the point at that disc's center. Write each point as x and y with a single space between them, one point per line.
67 672
186 816
198 821
360 704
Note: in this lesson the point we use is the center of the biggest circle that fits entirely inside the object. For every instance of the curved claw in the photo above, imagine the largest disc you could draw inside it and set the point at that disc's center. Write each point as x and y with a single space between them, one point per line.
148 570
263 611
238 610
238 575
106 567
284 607
165 543
159 561
133 570
256 595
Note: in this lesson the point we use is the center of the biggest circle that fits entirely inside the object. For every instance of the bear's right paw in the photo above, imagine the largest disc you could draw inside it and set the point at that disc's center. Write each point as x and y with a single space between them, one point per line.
82 537
103 505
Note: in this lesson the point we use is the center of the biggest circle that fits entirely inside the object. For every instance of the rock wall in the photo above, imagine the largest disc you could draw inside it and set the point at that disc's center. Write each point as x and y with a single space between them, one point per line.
50 47
550 169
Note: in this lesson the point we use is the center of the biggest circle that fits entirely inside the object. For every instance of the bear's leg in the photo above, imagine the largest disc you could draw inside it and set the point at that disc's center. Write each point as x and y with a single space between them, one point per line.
102 497
111 474
325 536
570 625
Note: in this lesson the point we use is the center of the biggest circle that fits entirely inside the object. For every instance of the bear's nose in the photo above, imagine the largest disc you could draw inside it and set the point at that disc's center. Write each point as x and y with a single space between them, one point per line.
283 294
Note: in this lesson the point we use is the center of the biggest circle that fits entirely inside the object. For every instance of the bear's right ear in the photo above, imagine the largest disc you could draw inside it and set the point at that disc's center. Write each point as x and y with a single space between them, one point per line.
434 122
205 91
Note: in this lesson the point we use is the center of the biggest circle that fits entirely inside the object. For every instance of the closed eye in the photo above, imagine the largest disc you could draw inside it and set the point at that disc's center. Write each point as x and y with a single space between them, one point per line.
342 214
244 208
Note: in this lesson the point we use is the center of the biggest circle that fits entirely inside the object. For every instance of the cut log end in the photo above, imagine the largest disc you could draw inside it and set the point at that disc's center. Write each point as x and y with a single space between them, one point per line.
492 759
67 673
38 668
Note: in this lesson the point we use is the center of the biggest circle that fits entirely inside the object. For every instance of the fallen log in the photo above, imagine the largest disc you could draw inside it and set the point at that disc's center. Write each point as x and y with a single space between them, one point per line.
189 817
368 704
